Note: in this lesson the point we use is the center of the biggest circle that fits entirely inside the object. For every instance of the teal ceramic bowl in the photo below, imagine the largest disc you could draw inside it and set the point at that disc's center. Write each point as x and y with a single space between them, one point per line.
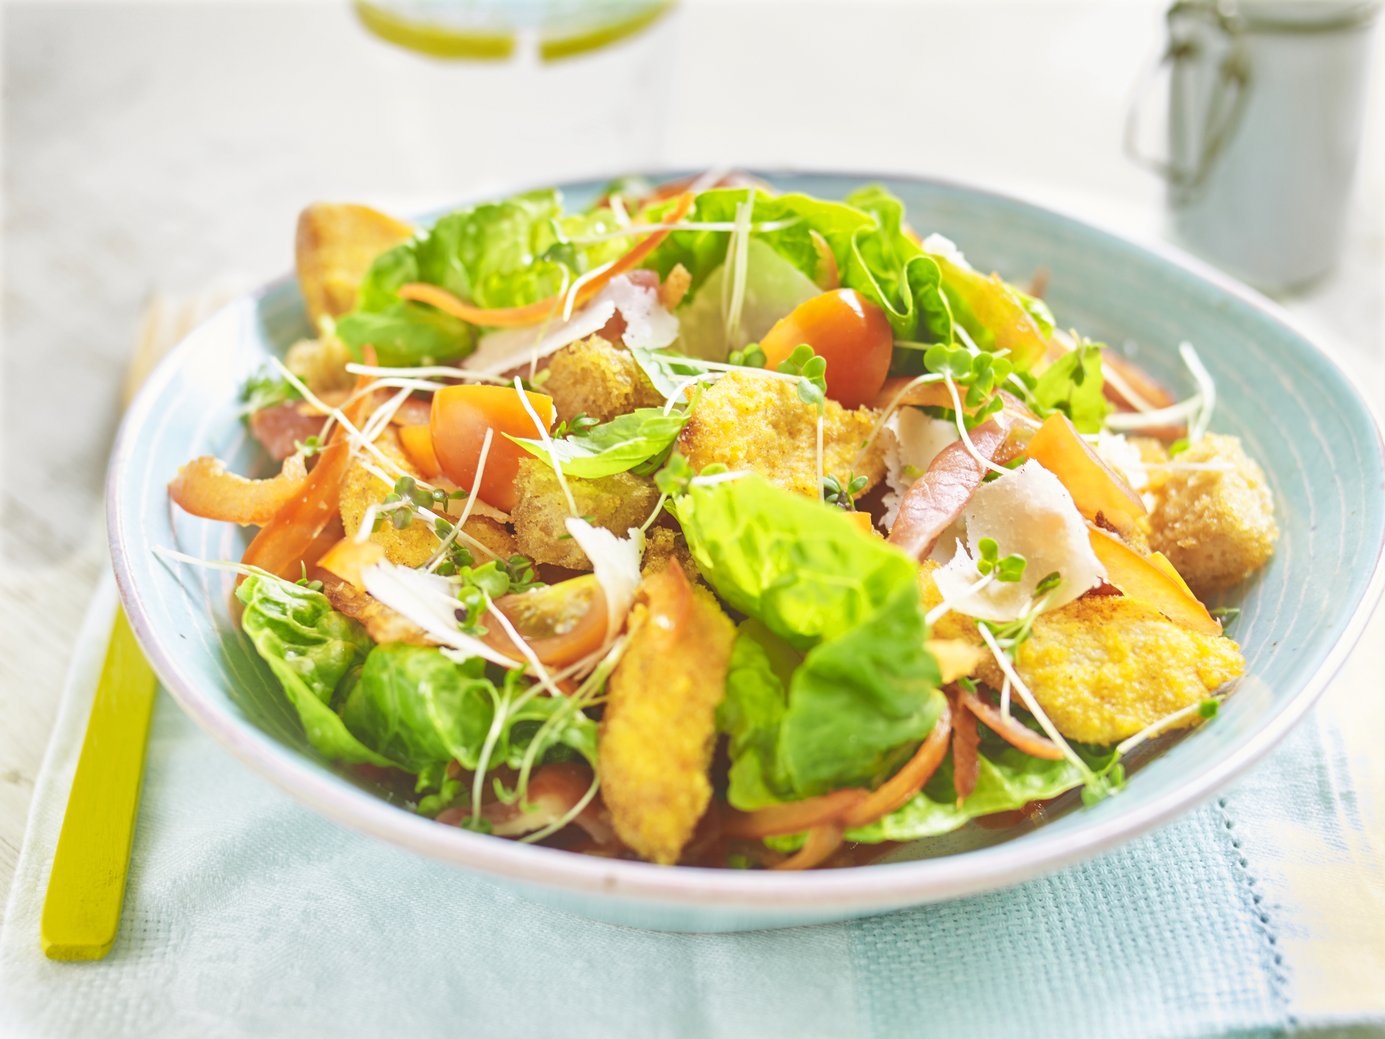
1296 411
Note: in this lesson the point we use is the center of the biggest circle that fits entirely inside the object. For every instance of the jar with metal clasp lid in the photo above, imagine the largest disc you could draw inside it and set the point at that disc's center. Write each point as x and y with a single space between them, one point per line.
1265 111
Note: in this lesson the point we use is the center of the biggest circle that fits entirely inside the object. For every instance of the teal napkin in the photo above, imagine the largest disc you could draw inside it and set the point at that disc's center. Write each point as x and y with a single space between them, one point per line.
248 915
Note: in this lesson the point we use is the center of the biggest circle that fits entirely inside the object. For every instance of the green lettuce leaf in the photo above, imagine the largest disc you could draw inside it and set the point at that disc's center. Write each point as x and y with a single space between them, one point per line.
1073 385
866 690
873 256
626 442
406 335
312 651
388 708
1007 779
420 709
500 254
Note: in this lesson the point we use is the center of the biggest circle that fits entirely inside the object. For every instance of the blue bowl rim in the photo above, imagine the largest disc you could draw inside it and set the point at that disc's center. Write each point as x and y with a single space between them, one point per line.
880 887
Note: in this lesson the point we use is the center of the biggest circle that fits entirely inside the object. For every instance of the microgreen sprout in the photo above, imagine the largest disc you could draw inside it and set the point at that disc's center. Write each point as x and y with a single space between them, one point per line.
675 477
265 389
980 373
1010 568
749 357
308 446
1226 614
811 370
576 426
834 492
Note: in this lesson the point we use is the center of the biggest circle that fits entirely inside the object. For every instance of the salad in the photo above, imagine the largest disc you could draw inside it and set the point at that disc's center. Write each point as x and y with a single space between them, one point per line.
717 526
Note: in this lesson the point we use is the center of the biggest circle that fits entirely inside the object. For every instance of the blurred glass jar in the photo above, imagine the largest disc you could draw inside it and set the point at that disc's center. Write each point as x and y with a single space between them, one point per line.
1266 106
520 92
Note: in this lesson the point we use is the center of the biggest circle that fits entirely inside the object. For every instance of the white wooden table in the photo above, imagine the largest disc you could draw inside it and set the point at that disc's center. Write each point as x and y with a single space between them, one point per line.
166 147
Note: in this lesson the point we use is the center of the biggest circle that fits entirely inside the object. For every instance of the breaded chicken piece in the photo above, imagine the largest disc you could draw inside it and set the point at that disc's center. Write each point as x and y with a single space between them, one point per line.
1217 528
594 378
416 543
540 514
752 422
659 728
1104 667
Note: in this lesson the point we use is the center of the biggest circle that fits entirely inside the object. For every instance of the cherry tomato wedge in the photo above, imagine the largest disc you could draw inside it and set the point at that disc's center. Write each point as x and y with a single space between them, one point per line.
418 445
460 417
561 623
848 330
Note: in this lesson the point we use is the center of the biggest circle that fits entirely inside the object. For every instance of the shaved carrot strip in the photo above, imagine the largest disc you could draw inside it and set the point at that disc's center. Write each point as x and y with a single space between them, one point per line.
908 781
822 842
533 313
793 816
1018 735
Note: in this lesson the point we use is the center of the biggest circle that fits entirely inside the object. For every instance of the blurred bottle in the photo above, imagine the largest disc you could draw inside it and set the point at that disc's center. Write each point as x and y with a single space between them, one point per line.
524 92
1266 105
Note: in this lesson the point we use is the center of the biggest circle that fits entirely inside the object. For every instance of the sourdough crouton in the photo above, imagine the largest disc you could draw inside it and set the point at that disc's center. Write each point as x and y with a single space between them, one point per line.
321 364
746 421
659 727
334 248
662 544
415 544
1102 667
594 378
1216 527
540 515
1105 667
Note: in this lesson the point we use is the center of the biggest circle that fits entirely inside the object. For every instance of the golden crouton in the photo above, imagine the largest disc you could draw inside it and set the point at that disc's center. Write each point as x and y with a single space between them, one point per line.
659 727
334 248
380 622
662 544
1216 527
1102 667
321 364
415 544
599 380
747 421
1105 667
540 514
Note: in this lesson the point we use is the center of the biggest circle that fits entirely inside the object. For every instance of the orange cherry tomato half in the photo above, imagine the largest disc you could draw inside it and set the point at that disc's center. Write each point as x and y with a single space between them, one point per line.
418 445
561 623
459 420
846 329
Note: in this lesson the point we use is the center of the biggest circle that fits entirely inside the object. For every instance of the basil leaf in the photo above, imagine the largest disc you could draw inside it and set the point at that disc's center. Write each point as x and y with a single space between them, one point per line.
618 446
1073 385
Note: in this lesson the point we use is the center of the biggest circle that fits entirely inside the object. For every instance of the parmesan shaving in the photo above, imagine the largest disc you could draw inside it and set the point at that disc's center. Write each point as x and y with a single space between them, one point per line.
1027 512
616 564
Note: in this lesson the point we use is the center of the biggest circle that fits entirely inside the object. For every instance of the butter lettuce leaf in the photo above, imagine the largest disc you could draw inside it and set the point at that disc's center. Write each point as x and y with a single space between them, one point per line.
312 651
865 691
420 709
500 254
871 251
1007 779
